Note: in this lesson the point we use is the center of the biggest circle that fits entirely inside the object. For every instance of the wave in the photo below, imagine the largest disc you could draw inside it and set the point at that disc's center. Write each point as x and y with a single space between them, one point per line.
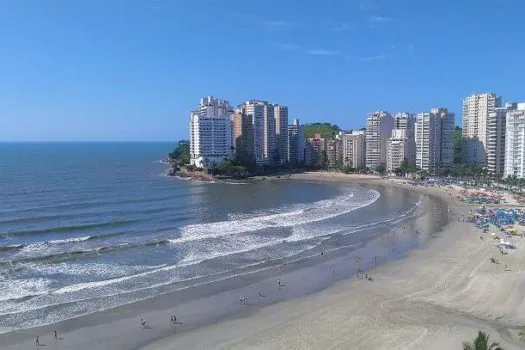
62 256
316 211
70 228
31 247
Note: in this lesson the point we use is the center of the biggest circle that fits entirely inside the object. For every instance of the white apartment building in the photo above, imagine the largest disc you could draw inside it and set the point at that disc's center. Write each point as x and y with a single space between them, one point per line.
434 139
515 142
353 148
400 147
476 109
428 135
210 132
296 146
378 130
281 131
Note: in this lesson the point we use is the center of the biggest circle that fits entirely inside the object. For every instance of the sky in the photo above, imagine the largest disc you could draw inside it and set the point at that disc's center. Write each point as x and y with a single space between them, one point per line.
129 70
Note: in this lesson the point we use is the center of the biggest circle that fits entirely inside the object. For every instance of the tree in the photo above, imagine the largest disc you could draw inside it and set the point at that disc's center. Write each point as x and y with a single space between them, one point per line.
181 153
381 168
481 343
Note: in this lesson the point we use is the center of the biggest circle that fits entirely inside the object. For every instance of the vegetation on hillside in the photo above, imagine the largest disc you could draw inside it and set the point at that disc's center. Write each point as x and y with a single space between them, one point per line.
458 145
326 130
181 153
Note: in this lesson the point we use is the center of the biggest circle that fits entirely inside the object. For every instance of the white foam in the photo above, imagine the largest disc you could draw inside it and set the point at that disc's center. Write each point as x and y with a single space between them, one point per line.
20 288
316 211
69 240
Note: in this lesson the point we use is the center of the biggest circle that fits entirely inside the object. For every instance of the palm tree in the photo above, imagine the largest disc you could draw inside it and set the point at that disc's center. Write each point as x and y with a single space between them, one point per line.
481 343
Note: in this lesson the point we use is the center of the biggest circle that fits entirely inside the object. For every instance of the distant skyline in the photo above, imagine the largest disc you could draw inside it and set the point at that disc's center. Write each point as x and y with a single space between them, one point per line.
91 70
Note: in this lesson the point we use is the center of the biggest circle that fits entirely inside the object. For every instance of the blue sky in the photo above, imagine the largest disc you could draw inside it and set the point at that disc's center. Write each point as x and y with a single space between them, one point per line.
132 70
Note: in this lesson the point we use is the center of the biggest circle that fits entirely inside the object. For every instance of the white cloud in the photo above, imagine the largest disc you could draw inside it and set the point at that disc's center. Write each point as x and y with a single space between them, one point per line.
374 58
321 52
276 25
375 18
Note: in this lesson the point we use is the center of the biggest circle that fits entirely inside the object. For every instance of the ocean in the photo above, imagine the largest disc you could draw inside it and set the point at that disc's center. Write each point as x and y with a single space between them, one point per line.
86 227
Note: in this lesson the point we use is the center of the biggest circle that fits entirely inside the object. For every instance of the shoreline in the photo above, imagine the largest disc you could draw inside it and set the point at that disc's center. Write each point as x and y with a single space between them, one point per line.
436 298
224 293
217 330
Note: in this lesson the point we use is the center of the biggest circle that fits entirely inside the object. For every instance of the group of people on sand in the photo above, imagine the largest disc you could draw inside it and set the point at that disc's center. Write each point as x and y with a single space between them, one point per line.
37 340
173 321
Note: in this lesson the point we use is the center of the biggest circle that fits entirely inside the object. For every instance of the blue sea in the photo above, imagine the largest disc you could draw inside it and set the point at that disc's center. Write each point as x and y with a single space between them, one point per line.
90 226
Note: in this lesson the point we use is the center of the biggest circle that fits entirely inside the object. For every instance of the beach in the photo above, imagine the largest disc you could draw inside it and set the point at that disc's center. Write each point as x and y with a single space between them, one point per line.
437 297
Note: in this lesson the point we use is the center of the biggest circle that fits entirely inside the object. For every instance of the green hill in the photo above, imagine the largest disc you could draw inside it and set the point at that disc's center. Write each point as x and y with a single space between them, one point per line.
326 130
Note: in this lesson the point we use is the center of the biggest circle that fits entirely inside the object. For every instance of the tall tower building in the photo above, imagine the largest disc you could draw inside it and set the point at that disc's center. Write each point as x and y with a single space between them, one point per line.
254 111
434 139
447 120
296 150
476 109
243 137
281 132
378 129
496 128
515 141
210 130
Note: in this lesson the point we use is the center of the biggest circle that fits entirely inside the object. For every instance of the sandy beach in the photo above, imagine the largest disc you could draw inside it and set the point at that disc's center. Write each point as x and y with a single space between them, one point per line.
436 298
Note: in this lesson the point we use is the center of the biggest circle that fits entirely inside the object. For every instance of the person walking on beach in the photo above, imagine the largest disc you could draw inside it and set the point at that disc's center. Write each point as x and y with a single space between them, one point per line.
37 342
55 334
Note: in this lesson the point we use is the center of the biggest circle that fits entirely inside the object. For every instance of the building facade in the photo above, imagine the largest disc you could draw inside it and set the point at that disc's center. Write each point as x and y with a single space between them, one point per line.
400 148
353 149
333 153
281 132
315 147
210 130
296 143
434 139
428 141
243 138
401 145
515 142
476 109
379 127
447 120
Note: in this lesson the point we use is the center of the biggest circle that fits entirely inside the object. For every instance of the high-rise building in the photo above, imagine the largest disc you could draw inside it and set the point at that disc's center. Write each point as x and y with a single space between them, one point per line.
476 109
448 121
515 142
254 112
434 139
333 153
243 137
378 129
210 132
428 141
353 149
400 148
281 132
496 128
296 147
